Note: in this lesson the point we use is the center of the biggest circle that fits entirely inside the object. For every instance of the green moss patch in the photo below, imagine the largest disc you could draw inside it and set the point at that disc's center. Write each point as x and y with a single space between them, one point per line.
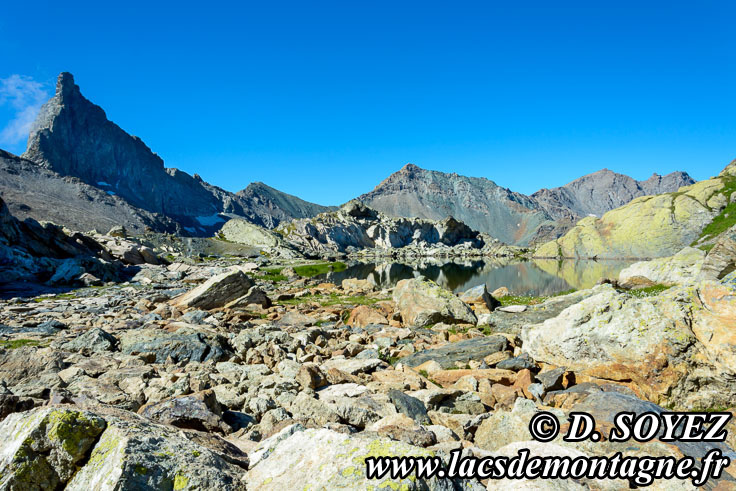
333 299
273 275
649 291
310 270
18 343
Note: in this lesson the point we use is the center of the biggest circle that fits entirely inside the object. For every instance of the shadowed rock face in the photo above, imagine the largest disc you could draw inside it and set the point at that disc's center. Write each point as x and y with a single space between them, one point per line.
511 217
32 191
73 137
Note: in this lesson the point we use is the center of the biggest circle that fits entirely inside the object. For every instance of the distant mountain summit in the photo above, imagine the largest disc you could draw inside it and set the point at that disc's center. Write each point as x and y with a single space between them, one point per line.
480 203
73 137
511 217
270 206
602 191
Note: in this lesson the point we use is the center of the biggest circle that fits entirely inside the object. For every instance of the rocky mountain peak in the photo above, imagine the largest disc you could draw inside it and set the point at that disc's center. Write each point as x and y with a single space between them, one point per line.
65 84
483 205
73 137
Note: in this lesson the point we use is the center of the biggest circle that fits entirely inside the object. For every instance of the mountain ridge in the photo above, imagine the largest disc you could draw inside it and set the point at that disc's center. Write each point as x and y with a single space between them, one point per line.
73 137
509 216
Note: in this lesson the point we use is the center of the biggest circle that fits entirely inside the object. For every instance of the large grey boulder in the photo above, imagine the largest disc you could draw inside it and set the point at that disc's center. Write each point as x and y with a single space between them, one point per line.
243 232
216 292
42 448
461 351
502 320
199 411
58 447
183 342
95 340
676 348
422 302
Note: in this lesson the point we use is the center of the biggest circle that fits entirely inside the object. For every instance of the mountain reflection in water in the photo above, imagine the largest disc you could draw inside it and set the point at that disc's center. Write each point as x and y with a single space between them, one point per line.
535 277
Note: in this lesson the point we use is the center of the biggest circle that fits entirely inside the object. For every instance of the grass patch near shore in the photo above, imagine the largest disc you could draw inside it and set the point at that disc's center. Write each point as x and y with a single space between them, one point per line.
649 291
305 271
273 274
18 343
333 299
309 270
486 330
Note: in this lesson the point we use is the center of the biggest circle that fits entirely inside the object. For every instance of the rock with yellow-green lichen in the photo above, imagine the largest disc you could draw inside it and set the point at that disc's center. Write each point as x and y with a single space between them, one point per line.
132 454
649 226
682 268
43 448
422 302
321 459
105 449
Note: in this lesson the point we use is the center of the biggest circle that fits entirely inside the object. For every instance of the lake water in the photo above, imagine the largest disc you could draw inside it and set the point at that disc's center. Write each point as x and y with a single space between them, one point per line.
534 277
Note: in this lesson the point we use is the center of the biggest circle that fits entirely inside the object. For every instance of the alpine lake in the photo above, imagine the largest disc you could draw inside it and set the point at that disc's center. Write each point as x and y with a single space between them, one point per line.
534 277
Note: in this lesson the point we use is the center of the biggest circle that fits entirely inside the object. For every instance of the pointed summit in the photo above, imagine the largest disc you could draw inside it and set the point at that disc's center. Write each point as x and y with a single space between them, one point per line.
65 84
72 136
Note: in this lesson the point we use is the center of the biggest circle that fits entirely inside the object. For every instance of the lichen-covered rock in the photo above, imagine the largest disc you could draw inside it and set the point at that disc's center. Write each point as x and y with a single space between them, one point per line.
132 454
647 227
243 232
336 461
618 337
422 302
721 259
42 449
684 267
216 292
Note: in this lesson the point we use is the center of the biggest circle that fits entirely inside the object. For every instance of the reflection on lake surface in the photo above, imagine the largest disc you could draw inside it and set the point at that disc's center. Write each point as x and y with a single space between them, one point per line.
535 277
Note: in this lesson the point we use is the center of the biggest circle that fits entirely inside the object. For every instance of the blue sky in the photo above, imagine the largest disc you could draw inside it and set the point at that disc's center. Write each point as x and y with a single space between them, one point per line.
326 99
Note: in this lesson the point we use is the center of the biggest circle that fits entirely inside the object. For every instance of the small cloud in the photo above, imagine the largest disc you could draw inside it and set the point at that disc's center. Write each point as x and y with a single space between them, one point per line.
24 96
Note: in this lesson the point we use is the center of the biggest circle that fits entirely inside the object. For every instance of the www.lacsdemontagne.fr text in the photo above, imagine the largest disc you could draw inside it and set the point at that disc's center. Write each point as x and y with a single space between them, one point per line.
545 427
640 471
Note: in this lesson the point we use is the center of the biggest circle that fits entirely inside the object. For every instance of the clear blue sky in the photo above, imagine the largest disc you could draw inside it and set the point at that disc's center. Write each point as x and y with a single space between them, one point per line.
326 99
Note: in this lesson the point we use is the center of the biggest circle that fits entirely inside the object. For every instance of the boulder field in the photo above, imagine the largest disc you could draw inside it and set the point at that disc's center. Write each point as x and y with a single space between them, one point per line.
224 375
